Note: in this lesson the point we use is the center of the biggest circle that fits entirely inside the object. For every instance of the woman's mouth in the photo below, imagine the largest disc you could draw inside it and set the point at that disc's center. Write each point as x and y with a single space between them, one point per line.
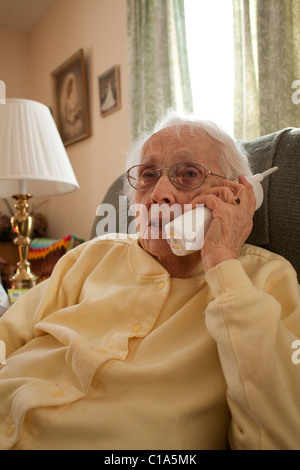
157 228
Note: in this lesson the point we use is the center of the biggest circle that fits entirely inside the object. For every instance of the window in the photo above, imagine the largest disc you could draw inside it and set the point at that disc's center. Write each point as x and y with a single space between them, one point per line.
209 30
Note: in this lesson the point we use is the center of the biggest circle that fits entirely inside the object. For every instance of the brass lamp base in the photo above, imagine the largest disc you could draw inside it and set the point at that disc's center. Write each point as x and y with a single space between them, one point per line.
22 224
23 279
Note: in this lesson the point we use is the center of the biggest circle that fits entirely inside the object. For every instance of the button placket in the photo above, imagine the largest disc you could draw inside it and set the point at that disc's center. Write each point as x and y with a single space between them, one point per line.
142 328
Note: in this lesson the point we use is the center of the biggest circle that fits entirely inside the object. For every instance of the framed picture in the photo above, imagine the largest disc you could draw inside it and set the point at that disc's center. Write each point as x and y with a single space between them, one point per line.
71 99
109 91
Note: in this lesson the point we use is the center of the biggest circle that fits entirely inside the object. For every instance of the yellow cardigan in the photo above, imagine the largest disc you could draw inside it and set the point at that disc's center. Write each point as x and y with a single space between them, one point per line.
113 353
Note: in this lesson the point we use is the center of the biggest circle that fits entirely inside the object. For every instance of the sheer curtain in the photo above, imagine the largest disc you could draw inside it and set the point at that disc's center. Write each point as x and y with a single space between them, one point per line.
267 65
158 65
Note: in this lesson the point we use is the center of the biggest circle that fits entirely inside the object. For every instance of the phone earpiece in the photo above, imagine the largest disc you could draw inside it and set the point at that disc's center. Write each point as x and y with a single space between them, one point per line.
255 180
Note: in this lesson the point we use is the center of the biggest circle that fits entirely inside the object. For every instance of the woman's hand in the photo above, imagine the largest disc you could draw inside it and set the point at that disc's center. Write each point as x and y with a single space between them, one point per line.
231 223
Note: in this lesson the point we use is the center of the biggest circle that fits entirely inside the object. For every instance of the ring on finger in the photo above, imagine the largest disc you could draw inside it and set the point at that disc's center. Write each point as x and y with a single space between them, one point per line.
236 201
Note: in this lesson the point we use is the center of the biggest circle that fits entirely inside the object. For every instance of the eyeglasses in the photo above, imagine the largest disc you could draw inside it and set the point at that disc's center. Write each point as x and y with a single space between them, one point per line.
184 176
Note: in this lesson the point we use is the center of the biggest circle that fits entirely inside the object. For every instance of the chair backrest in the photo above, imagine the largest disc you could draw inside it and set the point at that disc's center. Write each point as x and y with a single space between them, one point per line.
276 225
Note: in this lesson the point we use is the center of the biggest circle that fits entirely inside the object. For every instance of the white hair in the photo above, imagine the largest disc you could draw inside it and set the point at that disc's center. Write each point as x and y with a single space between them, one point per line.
233 159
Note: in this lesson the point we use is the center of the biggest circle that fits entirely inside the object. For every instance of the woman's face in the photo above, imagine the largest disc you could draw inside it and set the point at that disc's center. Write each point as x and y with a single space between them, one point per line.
162 150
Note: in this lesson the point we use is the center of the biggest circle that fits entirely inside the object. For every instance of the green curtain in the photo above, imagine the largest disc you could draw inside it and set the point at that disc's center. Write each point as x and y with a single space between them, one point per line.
157 57
267 64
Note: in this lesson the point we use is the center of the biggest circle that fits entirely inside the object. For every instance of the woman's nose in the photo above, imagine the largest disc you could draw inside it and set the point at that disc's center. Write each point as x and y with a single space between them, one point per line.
163 192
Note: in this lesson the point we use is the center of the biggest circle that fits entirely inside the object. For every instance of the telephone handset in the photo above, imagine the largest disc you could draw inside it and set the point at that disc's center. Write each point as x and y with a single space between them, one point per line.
186 233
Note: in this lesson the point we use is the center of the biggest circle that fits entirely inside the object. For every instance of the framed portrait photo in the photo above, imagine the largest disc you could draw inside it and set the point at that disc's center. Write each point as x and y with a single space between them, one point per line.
71 99
109 91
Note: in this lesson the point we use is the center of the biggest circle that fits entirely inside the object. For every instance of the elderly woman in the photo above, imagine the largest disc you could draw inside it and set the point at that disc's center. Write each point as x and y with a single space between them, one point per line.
129 346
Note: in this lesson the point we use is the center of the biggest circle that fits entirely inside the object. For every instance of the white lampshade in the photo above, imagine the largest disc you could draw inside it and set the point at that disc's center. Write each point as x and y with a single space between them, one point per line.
33 159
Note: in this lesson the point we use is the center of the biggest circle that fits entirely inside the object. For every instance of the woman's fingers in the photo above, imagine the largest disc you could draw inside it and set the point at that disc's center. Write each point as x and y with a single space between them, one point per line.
228 193
232 206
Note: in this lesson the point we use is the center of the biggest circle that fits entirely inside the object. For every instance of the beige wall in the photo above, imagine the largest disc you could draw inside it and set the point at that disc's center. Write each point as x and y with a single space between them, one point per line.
14 62
99 28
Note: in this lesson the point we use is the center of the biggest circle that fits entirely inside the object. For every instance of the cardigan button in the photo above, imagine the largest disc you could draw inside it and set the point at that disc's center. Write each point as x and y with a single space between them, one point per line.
102 351
10 430
58 394
161 285
136 328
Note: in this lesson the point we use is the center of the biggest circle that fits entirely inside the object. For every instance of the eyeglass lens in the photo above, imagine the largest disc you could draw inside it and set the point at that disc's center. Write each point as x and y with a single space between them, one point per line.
182 175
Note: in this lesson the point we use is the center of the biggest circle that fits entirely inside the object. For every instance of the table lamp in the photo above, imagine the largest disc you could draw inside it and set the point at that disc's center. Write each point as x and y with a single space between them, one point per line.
33 162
